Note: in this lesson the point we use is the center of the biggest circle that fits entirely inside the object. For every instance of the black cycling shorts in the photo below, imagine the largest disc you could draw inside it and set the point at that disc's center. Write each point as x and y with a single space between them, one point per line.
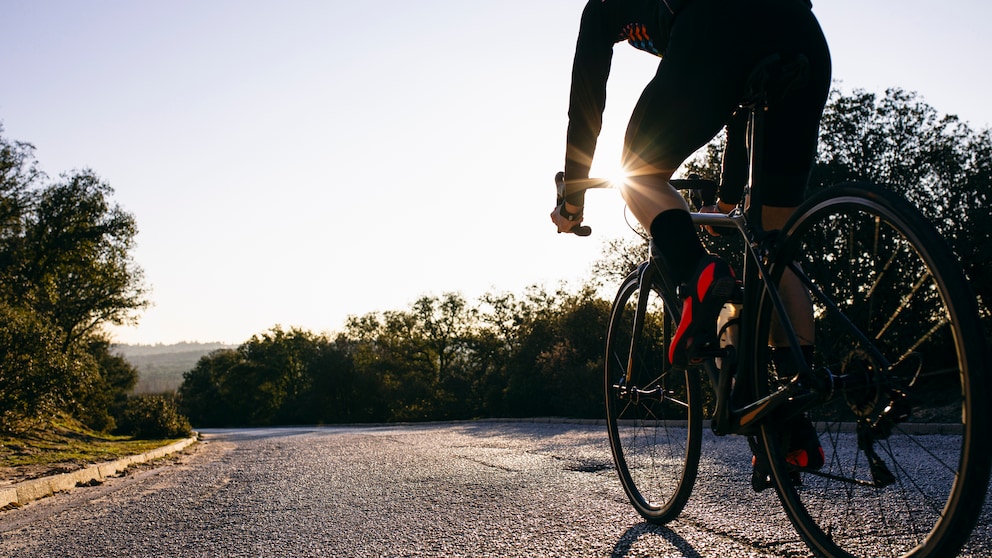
700 82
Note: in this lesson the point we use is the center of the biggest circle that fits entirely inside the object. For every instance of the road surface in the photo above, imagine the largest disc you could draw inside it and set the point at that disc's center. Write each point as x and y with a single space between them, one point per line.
454 489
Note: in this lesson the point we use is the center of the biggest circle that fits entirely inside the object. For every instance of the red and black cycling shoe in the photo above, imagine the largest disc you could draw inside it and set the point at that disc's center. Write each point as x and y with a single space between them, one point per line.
805 451
712 285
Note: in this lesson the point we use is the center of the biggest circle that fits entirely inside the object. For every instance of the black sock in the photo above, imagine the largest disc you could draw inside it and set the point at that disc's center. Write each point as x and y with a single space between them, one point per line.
675 237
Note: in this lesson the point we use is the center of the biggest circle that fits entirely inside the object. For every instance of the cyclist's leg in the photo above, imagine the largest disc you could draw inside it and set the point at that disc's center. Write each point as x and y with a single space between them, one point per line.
691 97
782 195
790 142
689 100
800 440
795 297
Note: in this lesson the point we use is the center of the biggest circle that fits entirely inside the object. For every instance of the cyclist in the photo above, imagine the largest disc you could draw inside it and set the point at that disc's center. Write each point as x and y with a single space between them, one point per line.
708 48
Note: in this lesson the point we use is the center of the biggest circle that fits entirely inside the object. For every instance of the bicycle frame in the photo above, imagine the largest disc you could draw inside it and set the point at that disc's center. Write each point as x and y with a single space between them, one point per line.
728 419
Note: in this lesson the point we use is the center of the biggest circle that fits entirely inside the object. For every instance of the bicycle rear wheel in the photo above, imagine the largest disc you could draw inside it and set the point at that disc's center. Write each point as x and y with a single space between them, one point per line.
654 412
901 364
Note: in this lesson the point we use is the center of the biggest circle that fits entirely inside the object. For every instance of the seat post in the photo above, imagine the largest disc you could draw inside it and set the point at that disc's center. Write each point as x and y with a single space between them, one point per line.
755 142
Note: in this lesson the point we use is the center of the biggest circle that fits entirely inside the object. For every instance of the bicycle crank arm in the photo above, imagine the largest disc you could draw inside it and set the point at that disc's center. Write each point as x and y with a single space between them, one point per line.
747 418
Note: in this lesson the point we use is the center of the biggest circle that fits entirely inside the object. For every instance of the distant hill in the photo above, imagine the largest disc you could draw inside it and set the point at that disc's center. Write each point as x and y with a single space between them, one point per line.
161 367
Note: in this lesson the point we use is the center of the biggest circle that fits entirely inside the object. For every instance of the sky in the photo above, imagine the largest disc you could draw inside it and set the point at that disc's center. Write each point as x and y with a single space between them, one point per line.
292 163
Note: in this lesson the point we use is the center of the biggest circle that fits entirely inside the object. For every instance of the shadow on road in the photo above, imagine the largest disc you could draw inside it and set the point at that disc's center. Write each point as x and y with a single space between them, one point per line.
630 537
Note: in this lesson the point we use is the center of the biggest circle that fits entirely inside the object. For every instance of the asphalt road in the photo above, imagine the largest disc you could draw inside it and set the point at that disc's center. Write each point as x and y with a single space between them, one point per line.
456 489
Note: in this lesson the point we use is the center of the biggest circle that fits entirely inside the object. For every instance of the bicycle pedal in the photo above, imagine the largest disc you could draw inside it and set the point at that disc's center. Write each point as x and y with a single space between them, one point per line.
760 481
760 472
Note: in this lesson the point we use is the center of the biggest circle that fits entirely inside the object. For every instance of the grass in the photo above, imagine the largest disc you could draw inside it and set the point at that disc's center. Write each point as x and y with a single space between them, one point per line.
66 442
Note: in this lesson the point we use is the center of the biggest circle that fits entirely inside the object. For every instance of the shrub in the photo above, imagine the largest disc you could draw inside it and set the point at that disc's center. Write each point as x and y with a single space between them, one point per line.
153 417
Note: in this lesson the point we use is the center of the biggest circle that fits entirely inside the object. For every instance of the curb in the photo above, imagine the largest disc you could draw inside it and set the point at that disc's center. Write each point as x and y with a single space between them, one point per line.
21 493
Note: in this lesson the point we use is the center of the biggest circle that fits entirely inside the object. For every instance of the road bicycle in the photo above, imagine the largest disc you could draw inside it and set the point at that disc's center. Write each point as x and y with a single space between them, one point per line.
896 387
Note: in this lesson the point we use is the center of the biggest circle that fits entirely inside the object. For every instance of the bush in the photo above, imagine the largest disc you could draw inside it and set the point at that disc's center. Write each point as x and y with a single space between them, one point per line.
102 398
36 378
153 417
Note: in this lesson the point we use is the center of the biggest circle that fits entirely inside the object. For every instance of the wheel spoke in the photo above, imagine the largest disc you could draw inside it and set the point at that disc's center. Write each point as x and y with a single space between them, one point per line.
906 300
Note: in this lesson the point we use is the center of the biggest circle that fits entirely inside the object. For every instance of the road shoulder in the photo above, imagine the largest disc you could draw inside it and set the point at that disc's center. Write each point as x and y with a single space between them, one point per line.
19 494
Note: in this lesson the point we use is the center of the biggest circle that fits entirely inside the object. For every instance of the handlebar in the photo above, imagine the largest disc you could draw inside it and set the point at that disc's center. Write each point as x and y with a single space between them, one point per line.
705 189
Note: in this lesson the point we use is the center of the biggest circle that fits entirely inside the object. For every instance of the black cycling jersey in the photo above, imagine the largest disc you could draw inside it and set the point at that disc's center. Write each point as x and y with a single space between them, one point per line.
707 50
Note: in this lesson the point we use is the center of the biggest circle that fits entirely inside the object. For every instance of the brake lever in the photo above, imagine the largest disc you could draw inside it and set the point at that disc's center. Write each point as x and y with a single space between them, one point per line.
580 230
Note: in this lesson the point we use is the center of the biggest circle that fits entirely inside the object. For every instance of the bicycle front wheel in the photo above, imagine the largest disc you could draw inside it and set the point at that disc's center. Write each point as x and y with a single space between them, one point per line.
654 411
900 362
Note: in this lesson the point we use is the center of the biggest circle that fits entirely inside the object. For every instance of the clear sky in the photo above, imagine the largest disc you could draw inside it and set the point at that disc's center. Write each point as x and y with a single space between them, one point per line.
295 162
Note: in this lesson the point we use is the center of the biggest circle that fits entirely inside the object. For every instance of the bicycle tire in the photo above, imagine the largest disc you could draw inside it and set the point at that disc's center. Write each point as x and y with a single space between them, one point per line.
923 355
655 439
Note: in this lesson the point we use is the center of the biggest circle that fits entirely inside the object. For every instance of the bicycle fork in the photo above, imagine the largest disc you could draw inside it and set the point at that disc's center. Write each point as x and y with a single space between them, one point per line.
648 277
646 273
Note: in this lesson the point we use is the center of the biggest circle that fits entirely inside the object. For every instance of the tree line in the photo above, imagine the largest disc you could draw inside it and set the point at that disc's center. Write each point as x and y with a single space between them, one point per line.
444 358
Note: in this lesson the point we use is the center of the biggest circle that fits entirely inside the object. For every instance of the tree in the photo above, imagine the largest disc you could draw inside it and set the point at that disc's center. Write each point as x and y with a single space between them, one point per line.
102 394
339 392
18 173
203 396
280 377
555 366
500 332
619 257
154 417
446 328
940 164
972 236
443 324
65 271
74 264
572 365
422 357
524 390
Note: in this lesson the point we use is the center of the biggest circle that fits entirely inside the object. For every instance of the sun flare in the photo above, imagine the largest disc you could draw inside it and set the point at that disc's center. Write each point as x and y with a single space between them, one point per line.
616 175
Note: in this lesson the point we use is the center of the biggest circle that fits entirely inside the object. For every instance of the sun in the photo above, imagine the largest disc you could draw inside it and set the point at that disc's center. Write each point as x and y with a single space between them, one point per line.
616 174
